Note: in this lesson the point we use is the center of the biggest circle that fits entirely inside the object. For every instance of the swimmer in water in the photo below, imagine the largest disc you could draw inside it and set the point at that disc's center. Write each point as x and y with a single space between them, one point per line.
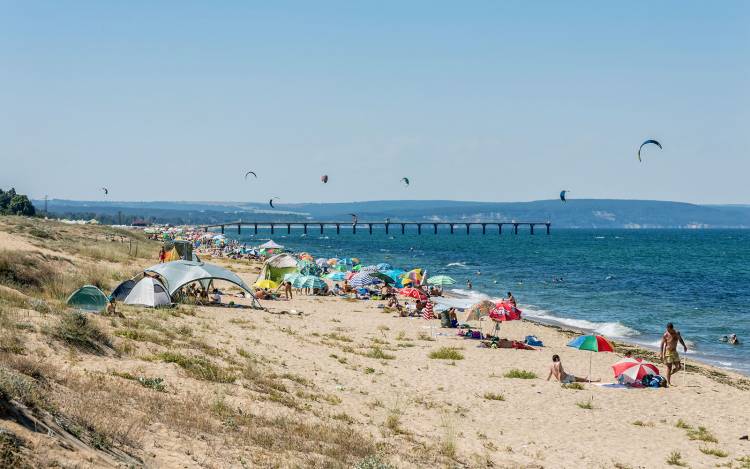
468 284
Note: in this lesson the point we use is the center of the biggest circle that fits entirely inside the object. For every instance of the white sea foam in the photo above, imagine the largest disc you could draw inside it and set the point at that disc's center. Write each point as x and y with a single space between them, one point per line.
456 264
608 329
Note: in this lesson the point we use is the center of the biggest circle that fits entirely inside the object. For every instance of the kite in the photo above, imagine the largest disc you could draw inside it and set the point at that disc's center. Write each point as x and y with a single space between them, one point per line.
562 195
646 143
405 181
106 191
270 201
324 179
249 173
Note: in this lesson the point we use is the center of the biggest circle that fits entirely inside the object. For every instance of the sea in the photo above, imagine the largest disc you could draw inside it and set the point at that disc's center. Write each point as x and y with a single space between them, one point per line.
623 284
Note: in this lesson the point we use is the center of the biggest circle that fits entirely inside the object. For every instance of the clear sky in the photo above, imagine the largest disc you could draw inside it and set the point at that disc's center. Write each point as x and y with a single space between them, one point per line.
490 101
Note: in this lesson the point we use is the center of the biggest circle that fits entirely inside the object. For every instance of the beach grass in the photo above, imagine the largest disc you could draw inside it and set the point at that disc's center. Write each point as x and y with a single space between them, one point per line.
713 452
588 405
574 386
446 353
675 459
516 373
702 434
491 396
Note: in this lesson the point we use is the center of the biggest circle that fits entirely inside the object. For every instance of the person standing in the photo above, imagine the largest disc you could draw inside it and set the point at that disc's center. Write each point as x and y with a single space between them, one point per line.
669 354
468 284
162 255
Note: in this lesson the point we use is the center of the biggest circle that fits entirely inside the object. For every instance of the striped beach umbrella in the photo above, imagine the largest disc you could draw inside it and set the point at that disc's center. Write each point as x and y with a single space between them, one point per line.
383 266
369 268
441 280
310 281
363 279
321 262
634 369
479 310
291 277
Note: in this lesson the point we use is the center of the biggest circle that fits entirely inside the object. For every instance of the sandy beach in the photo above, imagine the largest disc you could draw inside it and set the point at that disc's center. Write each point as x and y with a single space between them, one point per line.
331 382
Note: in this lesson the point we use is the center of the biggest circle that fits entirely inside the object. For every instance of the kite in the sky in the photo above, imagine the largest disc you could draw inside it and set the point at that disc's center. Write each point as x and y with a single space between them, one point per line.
405 181
249 173
106 191
646 143
562 195
324 179
270 201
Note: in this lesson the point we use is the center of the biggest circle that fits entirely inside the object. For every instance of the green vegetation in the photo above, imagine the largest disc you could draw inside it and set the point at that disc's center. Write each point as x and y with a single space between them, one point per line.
588 405
12 203
372 462
714 452
675 459
641 423
520 374
702 434
574 386
682 424
446 353
198 367
157 384
494 397
377 352
78 330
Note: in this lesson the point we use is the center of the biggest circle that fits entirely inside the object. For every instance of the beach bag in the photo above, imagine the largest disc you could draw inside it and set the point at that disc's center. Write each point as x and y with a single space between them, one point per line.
445 319
534 341
476 335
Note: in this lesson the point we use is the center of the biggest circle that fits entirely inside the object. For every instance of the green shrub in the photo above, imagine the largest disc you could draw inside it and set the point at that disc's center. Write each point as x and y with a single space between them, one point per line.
76 329
446 353
520 374
198 367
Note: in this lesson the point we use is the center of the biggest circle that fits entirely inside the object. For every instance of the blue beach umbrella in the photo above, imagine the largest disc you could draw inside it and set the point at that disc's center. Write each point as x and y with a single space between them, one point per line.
336 276
363 279
310 281
384 266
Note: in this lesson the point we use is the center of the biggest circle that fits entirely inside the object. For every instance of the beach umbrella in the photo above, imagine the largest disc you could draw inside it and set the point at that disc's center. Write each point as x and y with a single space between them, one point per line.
336 276
381 276
369 268
291 277
270 284
505 311
413 293
479 310
311 281
363 279
349 275
441 280
345 261
321 262
355 260
383 266
415 275
634 369
332 261
356 268
592 343
306 257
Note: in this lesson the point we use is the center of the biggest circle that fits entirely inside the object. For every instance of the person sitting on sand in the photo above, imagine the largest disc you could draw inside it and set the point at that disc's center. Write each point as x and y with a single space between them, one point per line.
557 370
669 354
386 291
216 297
112 308
348 288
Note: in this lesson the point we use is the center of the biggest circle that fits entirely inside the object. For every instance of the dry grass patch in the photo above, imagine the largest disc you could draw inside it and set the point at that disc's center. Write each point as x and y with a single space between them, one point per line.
198 367
79 330
446 353
520 374
714 452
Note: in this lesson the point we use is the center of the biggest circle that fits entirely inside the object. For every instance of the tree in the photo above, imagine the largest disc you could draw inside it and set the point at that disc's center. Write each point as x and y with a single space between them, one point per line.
21 205
5 198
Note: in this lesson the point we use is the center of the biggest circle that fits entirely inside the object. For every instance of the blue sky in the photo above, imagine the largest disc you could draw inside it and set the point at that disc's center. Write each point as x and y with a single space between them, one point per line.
490 101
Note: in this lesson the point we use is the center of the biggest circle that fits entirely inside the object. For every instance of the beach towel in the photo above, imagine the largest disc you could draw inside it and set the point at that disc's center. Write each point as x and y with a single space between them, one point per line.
533 340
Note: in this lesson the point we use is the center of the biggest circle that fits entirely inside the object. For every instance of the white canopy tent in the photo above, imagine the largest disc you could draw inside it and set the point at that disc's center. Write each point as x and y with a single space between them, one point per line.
148 292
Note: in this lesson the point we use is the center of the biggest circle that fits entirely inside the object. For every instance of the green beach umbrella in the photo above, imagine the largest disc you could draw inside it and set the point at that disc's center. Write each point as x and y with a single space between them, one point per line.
441 280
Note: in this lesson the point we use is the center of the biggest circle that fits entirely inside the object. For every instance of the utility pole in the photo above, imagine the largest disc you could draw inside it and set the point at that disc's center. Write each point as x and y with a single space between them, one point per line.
45 205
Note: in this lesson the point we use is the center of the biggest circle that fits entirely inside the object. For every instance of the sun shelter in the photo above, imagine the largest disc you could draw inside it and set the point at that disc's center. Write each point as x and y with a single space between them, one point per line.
274 268
177 274
148 292
88 298
271 244
123 290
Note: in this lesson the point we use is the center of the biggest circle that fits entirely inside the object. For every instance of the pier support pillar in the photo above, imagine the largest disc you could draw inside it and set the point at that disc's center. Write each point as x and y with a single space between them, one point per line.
434 228
547 224
387 225
403 228
468 228
419 228
484 228
451 228
222 229
531 225
369 227
515 228
255 227
354 228
288 228
239 228
499 228
338 228
304 228
271 228
321 228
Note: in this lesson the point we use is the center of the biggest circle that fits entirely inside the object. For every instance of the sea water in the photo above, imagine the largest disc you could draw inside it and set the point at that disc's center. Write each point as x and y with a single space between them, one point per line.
623 284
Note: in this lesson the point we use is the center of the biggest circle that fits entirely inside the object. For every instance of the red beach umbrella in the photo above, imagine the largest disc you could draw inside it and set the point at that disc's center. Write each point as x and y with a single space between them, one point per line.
634 369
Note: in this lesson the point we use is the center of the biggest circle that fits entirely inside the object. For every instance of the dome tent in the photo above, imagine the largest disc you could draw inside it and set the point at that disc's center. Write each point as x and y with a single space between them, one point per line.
148 292
88 298
275 267
123 290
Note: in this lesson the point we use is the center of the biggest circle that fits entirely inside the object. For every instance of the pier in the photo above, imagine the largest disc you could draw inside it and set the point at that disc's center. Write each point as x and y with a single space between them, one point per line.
398 226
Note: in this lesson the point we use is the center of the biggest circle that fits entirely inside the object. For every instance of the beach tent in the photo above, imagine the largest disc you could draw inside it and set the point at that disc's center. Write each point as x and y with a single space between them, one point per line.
172 255
184 249
177 274
275 267
270 245
88 298
123 290
148 292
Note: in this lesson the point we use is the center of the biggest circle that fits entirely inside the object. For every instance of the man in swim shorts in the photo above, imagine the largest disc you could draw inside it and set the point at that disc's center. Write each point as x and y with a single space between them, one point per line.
669 354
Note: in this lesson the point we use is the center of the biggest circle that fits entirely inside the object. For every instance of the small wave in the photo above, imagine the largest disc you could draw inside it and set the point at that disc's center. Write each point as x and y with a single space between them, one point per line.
607 329
599 237
457 264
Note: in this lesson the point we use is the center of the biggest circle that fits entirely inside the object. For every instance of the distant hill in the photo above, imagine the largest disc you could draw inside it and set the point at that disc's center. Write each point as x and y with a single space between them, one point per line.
583 213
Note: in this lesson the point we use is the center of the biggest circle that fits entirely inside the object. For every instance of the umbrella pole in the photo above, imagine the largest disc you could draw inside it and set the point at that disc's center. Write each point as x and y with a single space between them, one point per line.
590 358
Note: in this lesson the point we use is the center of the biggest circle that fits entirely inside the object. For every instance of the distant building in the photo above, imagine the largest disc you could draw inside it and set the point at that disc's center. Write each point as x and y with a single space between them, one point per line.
139 222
